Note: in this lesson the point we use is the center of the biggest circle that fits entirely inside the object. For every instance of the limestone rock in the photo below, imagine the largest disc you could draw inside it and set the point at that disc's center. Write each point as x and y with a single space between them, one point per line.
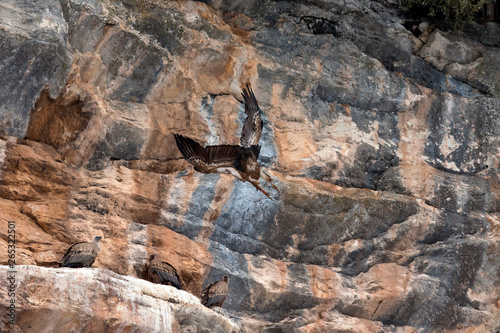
34 54
464 59
385 151
98 300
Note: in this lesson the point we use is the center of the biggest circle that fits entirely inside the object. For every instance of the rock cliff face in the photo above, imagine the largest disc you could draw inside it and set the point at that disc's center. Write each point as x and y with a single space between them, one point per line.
384 145
96 300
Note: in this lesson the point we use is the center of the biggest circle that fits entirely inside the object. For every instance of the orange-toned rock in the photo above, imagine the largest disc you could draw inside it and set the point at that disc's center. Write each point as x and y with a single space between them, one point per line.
387 213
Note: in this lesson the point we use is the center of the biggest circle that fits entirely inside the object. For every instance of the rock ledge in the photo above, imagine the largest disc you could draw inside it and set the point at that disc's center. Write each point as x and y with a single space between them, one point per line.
99 300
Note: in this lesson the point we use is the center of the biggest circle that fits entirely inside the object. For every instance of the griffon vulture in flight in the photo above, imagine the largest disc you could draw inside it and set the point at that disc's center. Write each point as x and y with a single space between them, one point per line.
214 294
81 254
239 161
162 272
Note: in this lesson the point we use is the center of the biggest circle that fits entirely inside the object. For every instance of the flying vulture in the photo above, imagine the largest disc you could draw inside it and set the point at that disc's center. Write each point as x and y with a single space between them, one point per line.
81 254
239 161
162 272
214 294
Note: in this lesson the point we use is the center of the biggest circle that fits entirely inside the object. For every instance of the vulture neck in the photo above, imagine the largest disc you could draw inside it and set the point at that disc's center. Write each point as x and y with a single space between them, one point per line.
250 165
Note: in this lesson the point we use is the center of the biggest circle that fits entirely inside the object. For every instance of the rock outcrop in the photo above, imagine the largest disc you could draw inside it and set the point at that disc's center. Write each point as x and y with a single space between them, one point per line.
98 300
385 147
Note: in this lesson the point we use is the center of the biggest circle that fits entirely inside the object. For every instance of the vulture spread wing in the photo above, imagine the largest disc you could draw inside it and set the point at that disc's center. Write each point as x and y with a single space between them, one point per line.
80 255
164 273
208 159
240 161
252 128
214 294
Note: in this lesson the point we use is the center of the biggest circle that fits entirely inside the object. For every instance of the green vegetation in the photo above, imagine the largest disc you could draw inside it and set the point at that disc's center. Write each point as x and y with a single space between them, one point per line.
454 12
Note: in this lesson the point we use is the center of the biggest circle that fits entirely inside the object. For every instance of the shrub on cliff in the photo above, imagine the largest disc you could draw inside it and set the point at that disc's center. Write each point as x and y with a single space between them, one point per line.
454 12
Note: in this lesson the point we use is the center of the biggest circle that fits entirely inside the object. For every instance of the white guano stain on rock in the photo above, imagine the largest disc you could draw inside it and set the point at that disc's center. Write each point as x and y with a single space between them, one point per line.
48 24
176 198
3 147
212 138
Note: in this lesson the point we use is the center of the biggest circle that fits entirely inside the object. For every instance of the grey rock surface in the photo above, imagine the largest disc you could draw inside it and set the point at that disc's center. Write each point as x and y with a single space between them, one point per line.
384 146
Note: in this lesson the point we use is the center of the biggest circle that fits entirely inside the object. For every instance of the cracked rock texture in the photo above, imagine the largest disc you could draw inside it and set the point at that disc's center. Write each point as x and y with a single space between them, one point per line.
385 147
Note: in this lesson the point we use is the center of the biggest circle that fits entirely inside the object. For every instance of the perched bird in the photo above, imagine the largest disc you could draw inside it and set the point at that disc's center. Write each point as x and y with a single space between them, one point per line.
214 294
81 254
162 272
239 161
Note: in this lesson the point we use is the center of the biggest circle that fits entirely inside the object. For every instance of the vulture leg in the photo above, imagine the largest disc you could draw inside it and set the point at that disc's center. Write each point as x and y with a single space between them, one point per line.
258 187
264 175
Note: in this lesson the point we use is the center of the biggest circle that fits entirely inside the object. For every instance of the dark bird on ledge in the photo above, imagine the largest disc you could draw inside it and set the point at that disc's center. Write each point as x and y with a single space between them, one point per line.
162 272
214 294
239 161
81 254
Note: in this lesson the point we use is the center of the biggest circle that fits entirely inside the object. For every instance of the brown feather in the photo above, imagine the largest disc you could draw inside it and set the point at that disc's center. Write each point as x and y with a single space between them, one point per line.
207 159
81 254
239 161
162 272
215 293
252 128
